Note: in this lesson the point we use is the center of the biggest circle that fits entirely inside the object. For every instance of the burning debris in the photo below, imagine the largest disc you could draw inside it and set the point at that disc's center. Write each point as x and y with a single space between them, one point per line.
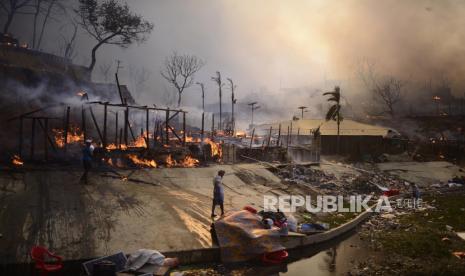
16 160
142 162
74 135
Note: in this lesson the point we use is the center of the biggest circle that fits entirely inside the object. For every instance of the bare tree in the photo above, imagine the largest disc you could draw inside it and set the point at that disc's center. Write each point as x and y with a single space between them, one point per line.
111 23
52 7
13 7
387 91
180 70
68 44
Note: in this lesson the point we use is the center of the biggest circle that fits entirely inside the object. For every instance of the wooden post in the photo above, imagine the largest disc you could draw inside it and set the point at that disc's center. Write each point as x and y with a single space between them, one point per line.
279 136
33 132
167 139
184 128
251 138
83 122
120 137
288 136
66 126
96 124
203 127
298 134
155 133
213 126
20 145
126 114
147 117
269 136
105 113
119 89
116 128
45 138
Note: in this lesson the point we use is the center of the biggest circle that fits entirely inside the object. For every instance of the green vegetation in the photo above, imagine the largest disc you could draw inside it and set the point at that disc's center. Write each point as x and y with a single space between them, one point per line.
421 240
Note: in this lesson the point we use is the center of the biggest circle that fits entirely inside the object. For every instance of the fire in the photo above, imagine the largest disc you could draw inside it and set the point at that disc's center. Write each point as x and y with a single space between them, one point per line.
170 162
190 139
74 136
216 147
142 162
189 162
114 147
16 160
240 133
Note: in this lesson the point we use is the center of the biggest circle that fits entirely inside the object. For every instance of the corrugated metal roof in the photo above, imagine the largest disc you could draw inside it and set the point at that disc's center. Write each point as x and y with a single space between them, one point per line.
306 126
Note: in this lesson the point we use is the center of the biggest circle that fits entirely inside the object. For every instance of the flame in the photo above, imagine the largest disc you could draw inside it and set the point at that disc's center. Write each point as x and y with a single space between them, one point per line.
16 160
142 162
114 147
189 162
74 136
240 133
190 139
216 147
170 161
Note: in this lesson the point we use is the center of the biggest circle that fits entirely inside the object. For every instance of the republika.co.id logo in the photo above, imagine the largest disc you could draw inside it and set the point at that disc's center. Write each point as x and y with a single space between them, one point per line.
331 203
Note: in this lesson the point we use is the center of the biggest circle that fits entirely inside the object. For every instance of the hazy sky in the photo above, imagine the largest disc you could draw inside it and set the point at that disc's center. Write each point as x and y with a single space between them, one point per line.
267 44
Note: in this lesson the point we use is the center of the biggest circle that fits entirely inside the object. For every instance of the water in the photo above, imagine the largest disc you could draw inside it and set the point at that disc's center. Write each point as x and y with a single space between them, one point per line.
333 258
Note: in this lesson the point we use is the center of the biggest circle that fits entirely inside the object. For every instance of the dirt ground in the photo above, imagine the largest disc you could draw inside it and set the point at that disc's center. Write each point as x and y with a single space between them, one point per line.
163 209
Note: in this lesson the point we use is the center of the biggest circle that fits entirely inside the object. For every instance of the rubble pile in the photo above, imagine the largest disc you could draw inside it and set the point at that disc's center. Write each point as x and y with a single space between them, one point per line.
363 183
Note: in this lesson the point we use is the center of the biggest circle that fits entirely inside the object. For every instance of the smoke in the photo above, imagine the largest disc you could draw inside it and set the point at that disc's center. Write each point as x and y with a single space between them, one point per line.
280 52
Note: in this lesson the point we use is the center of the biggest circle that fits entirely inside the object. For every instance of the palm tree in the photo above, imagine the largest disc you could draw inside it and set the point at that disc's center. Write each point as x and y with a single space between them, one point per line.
334 112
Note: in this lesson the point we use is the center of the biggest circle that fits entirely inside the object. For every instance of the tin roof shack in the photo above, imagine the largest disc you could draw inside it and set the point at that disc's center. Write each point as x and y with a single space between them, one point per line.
356 139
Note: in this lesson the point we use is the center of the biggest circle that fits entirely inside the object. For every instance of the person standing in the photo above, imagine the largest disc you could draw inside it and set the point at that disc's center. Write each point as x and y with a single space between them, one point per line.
218 192
87 154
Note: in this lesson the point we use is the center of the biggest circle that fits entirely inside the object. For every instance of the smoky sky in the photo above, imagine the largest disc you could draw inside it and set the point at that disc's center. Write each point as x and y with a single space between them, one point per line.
269 47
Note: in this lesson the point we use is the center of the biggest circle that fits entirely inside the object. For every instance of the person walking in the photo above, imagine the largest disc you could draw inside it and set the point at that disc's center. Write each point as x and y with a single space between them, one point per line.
218 193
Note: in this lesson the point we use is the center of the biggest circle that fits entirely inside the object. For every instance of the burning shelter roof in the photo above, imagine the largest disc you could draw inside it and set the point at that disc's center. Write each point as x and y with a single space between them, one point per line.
347 127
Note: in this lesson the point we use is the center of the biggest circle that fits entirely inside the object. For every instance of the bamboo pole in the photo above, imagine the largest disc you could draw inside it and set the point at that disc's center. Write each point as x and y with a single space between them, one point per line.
116 128
120 137
251 138
213 126
96 124
279 136
147 117
50 141
167 139
288 135
126 114
203 126
184 129
269 136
